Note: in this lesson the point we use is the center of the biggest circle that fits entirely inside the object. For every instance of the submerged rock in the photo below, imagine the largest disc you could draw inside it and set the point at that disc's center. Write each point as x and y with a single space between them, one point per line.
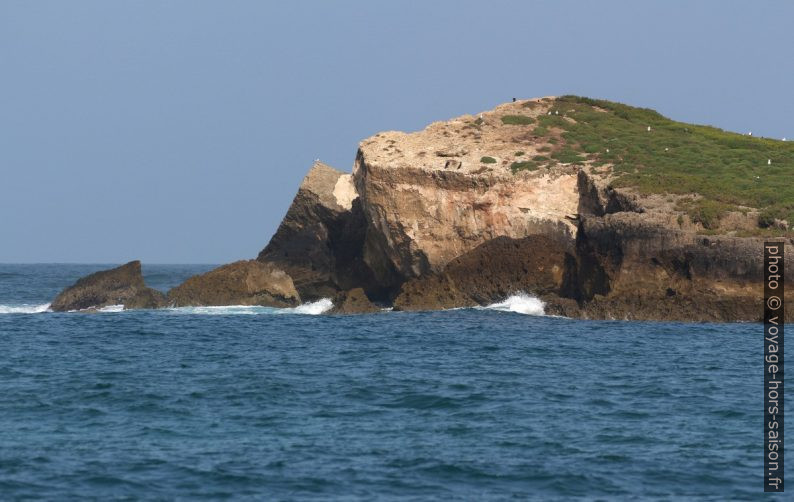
354 301
240 283
123 285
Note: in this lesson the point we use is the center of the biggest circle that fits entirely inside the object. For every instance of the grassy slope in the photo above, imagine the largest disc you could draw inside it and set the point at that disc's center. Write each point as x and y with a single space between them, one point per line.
727 169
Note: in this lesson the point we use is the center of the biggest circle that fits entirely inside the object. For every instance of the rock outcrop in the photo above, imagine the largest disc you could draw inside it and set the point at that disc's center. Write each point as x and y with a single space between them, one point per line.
564 198
320 240
122 285
240 283
637 266
489 273
423 210
354 301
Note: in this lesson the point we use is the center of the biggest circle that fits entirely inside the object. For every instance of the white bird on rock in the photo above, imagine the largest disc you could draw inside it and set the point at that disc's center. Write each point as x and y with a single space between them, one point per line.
769 162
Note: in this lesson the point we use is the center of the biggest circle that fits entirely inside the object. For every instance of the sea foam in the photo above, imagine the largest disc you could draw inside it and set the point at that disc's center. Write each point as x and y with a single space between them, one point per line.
24 309
520 303
312 308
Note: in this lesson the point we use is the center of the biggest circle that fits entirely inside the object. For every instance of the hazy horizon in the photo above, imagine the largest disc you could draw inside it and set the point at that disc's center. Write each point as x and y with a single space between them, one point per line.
178 133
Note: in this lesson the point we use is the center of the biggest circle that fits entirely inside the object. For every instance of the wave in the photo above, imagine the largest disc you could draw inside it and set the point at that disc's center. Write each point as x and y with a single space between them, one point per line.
111 308
24 309
312 308
520 303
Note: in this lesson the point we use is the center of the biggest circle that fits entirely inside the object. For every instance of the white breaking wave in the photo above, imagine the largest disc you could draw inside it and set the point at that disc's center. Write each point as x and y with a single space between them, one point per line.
520 303
223 310
24 309
111 308
313 308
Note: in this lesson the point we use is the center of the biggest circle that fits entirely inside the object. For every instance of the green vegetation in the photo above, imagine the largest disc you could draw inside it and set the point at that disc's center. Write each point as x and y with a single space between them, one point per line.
517 120
528 165
568 155
727 170
707 212
488 160
519 154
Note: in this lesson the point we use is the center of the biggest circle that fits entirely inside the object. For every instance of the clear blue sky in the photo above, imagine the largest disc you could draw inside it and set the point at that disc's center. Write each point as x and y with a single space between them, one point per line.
179 131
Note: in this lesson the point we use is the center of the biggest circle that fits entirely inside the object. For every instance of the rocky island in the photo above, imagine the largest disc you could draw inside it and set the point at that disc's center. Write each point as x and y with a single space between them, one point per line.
602 210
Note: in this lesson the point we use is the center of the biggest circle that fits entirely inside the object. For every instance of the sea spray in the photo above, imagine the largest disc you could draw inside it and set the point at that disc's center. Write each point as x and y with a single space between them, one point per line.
312 308
520 303
24 309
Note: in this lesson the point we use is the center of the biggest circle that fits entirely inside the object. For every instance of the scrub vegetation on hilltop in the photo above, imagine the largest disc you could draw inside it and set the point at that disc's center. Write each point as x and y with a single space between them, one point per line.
654 154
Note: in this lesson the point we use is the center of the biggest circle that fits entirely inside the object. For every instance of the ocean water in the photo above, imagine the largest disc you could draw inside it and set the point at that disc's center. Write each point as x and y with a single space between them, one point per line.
284 404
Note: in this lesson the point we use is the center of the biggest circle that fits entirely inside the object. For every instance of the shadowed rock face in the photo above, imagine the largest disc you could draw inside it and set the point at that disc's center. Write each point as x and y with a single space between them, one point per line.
489 273
354 301
240 283
319 242
123 285
636 266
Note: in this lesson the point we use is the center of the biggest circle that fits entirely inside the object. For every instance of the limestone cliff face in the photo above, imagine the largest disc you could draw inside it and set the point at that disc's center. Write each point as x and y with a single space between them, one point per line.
471 210
437 194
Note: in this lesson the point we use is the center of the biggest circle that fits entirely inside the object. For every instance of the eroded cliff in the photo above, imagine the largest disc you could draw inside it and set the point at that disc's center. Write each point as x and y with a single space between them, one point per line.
601 209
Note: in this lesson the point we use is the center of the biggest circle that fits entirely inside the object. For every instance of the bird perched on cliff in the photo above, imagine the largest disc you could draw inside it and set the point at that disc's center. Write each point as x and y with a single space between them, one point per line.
769 162
556 112
649 128
750 133
514 100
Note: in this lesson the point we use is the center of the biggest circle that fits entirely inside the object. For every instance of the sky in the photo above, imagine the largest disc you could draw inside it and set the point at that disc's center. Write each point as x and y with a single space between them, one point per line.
178 131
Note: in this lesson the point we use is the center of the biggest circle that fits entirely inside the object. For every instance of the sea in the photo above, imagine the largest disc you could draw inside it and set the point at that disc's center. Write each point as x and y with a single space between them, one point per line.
254 403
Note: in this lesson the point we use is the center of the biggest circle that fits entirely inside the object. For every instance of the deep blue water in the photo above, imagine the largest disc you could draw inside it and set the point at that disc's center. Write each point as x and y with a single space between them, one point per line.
464 404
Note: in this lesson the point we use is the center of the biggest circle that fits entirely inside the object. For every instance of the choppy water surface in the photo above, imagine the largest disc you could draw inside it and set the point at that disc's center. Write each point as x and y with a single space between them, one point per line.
465 404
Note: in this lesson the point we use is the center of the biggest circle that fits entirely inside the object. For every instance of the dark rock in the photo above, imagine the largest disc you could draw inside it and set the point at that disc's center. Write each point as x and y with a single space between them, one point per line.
628 266
123 285
239 283
320 240
354 301
489 273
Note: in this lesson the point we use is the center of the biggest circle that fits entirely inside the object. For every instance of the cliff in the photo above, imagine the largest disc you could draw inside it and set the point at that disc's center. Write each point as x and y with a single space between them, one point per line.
601 209
604 210
320 240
